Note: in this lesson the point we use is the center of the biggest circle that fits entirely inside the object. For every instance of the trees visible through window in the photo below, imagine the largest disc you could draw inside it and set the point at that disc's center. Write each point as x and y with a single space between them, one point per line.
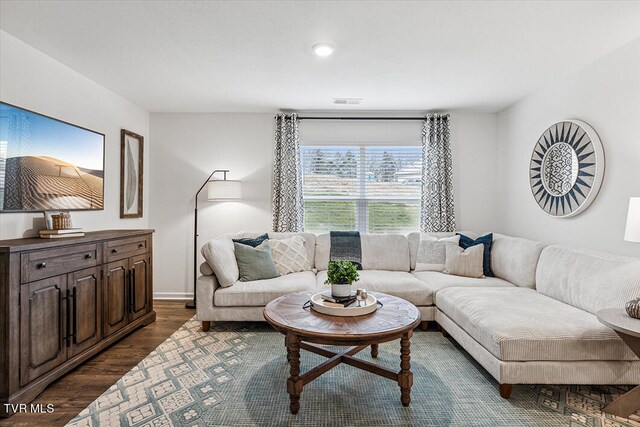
372 189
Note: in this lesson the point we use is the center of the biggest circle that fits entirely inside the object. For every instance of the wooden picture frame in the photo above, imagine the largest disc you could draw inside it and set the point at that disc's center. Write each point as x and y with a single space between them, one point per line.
131 174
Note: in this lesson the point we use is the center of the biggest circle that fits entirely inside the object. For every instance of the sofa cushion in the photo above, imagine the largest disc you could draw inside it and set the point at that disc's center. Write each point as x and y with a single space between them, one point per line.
414 241
464 262
260 292
290 255
385 252
255 263
436 281
432 252
220 255
309 240
323 247
520 324
486 241
515 259
309 243
252 241
397 283
379 252
587 279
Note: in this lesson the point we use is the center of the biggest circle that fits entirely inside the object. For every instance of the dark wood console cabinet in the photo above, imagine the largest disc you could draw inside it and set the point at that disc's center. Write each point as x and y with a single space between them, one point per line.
64 300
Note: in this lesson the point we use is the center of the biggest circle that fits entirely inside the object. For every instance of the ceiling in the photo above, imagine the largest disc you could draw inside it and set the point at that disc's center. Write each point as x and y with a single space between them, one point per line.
189 56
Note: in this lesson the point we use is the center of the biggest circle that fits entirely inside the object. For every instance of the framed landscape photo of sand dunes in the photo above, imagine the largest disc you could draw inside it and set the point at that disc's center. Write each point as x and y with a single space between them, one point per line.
131 159
48 164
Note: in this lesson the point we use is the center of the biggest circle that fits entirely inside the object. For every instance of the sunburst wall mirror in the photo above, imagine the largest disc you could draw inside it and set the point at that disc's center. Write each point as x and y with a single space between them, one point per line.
566 169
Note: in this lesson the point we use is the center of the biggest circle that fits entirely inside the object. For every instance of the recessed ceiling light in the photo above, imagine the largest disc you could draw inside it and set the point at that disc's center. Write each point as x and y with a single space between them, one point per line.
322 49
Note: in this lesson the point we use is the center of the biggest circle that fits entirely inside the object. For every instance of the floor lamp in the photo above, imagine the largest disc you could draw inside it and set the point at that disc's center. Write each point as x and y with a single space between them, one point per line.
218 189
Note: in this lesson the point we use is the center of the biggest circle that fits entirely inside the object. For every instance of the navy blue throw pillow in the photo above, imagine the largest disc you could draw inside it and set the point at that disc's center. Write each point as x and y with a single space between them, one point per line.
487 241
253 242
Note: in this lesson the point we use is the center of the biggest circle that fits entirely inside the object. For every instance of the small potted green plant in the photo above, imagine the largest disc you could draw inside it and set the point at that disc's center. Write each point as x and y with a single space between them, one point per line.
340 275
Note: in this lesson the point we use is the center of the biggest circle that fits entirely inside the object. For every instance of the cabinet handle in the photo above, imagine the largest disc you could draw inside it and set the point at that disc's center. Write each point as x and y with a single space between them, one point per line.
75 315
114 251
133 290
129 296
140 245
88 256
42 265
67 337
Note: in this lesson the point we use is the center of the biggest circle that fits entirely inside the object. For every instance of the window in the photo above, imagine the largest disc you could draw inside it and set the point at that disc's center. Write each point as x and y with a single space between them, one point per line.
373 189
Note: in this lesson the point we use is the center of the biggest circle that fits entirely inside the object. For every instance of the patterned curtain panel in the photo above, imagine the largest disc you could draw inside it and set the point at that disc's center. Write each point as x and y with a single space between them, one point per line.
288 208
437 213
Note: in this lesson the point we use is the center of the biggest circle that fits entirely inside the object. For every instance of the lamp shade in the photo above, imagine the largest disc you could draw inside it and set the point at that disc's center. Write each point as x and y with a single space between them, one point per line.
224 190
632 232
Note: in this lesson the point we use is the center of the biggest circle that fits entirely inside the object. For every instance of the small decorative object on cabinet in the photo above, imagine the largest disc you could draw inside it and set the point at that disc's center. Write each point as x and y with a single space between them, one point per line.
566 169
131 160
59 226
57 220
340 275
63 301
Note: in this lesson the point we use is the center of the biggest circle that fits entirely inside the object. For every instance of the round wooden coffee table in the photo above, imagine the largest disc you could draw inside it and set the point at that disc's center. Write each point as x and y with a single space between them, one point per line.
628 329
301 327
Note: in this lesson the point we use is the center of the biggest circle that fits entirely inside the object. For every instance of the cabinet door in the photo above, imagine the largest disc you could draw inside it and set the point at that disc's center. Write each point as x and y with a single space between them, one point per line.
43 326
86 309
116 298
140 283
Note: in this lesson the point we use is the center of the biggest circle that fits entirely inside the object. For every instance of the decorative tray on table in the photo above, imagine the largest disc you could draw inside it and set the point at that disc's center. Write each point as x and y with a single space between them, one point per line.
357 308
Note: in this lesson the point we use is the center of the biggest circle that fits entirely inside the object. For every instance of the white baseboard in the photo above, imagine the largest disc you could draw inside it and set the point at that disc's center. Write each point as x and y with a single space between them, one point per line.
173 295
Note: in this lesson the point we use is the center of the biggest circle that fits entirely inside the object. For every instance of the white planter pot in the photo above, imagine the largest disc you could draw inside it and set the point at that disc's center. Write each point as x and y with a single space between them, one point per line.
340 290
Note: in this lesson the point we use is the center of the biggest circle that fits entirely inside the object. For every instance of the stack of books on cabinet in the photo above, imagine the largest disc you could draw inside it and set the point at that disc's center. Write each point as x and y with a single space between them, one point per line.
61 234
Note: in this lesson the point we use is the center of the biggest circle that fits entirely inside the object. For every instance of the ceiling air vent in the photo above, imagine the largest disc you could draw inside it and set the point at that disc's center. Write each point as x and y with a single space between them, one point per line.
347 101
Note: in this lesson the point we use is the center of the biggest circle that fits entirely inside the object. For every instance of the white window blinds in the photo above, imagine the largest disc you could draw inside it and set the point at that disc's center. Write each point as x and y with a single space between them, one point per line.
373 189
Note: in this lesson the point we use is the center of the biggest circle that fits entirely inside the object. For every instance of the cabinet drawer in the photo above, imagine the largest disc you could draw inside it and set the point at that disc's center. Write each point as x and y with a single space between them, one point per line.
125 248
53 262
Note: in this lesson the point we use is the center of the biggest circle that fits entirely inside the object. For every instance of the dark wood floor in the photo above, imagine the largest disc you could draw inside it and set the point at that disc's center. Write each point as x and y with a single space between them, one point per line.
76 390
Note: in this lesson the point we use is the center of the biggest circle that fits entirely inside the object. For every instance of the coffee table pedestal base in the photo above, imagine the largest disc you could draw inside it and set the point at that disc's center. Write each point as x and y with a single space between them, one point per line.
625 405
297 381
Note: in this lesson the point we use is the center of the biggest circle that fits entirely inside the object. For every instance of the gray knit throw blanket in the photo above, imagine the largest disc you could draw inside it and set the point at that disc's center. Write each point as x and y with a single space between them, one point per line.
345 246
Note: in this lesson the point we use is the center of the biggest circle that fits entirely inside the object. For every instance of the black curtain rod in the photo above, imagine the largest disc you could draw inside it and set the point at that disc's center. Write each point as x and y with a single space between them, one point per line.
361 118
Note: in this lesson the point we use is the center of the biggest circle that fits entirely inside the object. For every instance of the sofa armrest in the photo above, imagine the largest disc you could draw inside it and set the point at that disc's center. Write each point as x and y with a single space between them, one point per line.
205 269
205 287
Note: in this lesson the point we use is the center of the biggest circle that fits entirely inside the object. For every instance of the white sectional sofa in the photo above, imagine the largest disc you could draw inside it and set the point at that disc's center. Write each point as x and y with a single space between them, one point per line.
534 323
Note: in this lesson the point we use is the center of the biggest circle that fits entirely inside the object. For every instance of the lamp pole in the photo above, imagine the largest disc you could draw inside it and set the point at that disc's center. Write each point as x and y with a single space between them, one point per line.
192 304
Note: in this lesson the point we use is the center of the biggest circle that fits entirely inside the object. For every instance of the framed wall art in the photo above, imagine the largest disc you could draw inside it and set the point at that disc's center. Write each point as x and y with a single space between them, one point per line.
48 164
566 168
131 176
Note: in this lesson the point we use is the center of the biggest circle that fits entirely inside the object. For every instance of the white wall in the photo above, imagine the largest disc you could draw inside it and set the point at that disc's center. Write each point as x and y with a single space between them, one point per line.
187 147
35 81
474 144
606 95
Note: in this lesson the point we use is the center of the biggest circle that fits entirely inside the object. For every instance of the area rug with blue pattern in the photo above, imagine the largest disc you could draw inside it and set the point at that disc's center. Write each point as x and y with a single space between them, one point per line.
235 375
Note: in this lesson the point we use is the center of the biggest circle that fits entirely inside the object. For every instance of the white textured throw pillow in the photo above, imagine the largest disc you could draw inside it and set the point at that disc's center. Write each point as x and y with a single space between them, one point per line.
432 252
464 262
290 255
221 257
